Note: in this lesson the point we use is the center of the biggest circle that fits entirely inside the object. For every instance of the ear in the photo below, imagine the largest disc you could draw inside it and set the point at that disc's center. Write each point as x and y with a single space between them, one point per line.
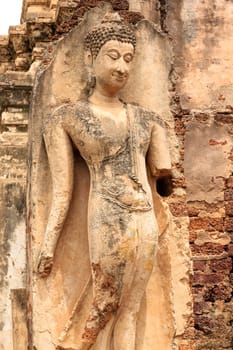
88 59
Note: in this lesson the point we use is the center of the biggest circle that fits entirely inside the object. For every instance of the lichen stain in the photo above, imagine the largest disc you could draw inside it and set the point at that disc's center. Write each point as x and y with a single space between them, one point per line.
13 209
128 248
105 302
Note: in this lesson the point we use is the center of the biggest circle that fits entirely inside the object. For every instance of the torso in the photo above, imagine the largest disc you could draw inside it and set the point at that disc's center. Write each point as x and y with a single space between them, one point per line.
114 150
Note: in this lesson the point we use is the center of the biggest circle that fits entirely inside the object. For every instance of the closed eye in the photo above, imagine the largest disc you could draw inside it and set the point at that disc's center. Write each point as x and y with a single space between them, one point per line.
113 54
128 57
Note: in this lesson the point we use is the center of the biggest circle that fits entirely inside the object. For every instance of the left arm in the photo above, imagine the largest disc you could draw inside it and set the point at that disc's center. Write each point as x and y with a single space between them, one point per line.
159 160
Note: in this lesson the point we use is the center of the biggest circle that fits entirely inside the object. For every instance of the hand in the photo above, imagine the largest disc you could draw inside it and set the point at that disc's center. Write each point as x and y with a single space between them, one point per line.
45 264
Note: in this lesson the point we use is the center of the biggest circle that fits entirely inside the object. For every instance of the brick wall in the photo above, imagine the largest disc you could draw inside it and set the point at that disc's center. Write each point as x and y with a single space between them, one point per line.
211 244
201 98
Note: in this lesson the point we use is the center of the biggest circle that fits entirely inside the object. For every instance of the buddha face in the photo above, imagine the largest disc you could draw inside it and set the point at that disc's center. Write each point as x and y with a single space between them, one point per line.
112 66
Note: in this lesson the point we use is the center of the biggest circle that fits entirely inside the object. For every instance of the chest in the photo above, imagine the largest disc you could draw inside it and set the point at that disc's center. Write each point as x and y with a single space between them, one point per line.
100 136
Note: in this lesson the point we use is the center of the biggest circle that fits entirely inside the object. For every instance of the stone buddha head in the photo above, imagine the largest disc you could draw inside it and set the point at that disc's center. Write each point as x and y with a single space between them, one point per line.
111 47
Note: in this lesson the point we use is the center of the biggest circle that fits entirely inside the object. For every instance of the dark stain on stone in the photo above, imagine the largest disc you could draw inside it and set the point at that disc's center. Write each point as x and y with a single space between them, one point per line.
20 297
163 14
107 289
13 208
14 196
69 20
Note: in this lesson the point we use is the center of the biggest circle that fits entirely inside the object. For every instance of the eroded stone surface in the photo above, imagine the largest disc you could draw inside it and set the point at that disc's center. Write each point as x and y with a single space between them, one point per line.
200 32
159 325
204 61
207 144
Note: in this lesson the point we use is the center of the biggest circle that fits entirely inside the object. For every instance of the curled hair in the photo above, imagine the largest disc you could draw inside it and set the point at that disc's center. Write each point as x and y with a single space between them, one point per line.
111 28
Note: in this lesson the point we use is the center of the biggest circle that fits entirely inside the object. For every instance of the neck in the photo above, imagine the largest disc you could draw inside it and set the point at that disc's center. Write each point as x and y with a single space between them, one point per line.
100 99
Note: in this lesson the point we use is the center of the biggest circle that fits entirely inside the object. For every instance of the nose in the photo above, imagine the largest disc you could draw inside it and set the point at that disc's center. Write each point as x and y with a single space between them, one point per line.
122 66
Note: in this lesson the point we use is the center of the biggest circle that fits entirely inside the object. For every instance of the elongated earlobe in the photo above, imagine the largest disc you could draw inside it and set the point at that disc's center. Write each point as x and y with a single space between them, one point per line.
88 58
91 81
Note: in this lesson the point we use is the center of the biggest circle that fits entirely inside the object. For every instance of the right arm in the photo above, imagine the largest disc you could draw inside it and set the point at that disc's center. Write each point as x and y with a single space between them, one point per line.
60 157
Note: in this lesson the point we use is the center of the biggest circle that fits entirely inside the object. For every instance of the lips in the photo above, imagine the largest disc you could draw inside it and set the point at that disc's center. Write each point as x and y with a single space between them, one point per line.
119 77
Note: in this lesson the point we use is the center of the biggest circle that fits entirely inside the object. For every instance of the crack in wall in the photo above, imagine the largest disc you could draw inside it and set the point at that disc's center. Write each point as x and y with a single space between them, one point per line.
163 14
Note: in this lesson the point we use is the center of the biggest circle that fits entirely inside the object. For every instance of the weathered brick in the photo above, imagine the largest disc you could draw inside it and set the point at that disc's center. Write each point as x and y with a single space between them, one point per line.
116 4
202 323
131 16
197 291
206 223
202 279
213 142
229 224
199 223
189 332
192 211
207 249
192 236
231 155
190 346
120 4
219 292
228 195
221 265
201 117
210 325
179 126
230 249
215 224
179 182
230 182
200 265
199 307
231 279
224 118
229 208
231 236
178 209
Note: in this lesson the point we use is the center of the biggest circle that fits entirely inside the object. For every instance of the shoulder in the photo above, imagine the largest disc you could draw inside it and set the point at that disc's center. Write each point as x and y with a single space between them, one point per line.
58 112
62 110
56 118
66 110
147 115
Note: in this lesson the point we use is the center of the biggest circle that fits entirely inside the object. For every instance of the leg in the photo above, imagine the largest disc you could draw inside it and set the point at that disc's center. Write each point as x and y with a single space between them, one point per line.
125 327
109 278
103 341
113 257
105 304
122 249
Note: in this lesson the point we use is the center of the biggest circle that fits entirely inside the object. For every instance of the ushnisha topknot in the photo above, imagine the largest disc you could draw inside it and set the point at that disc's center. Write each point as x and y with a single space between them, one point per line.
112 27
